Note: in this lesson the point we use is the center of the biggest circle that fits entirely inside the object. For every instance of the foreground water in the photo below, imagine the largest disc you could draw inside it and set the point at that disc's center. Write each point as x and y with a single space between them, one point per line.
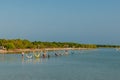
99 64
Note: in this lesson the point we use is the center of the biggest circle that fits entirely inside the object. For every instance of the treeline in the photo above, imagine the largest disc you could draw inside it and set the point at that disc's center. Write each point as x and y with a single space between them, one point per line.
15 44
108 46
26 44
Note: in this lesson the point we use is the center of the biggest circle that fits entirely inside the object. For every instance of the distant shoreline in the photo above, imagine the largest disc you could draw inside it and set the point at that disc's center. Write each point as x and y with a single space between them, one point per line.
47 49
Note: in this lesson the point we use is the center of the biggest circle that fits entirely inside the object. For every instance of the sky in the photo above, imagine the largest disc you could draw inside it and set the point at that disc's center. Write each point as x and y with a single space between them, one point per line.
81 21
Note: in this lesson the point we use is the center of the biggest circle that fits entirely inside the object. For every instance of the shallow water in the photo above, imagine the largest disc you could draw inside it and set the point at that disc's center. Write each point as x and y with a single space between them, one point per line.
99 64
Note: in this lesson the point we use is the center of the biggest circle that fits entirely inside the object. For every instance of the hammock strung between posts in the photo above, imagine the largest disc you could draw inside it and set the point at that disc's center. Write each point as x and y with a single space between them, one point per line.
37 55
29 56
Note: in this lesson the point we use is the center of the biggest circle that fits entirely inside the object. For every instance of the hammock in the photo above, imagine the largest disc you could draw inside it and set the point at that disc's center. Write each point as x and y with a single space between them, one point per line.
37 55
29 56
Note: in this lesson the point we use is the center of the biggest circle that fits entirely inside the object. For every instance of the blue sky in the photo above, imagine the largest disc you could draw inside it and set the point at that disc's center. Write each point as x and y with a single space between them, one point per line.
83 21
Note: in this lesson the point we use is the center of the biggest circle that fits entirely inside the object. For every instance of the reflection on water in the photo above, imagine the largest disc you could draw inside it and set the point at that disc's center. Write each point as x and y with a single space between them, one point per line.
34 61
11 58
42 57
34 58
30 58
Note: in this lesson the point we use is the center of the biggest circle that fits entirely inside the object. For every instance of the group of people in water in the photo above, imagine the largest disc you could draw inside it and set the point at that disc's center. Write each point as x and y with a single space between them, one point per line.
43 55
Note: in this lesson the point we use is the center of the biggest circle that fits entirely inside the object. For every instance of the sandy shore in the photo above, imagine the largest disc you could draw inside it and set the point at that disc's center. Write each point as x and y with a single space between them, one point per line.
48 49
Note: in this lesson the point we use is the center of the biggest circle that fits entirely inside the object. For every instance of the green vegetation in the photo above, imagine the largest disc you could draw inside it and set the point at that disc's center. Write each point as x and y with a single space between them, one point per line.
26 44
108 46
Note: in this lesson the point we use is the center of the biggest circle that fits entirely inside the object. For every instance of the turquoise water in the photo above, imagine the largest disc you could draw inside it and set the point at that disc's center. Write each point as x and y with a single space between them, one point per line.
99 64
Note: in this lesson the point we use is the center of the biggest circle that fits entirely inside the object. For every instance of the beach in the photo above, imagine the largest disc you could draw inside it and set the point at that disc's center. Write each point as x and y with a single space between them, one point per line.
46 49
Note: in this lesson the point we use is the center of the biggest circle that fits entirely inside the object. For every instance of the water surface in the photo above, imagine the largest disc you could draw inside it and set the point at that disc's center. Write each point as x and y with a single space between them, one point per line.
98 64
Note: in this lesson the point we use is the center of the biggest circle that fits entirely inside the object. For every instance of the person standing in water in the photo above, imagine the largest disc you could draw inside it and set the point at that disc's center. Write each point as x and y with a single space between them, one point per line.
22 57
22 54
48 56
